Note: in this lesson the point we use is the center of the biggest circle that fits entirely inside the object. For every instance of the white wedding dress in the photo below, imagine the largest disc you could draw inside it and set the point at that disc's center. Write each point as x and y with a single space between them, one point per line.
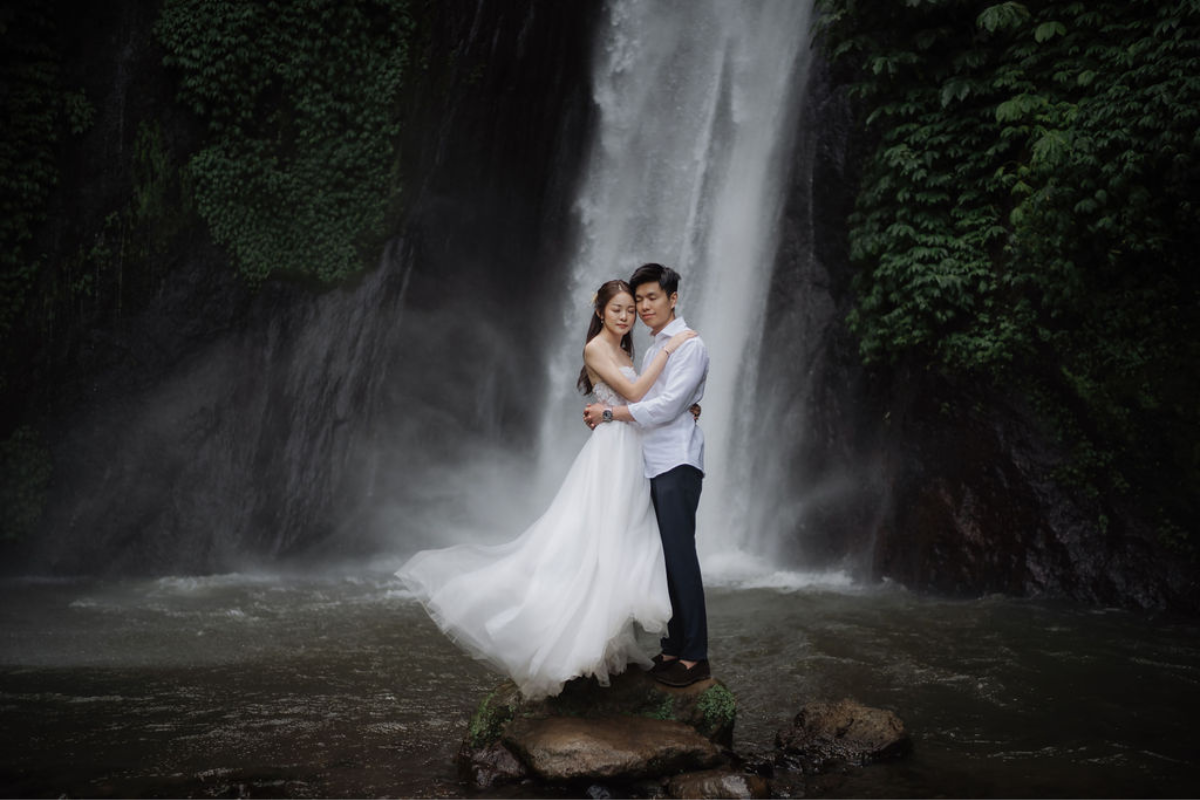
560 601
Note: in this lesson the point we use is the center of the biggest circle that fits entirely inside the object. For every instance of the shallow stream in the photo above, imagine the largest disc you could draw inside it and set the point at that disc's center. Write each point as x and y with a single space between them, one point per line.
302 686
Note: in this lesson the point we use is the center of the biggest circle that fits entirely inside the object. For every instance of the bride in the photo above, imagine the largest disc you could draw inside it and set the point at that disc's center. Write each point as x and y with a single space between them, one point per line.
560 601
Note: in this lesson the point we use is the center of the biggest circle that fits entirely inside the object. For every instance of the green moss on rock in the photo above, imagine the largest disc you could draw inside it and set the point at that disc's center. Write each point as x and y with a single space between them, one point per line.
708 707
664 710
494 712
718 710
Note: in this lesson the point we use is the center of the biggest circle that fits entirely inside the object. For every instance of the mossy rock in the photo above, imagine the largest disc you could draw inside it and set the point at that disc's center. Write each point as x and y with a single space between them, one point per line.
717 708
707 706
494 712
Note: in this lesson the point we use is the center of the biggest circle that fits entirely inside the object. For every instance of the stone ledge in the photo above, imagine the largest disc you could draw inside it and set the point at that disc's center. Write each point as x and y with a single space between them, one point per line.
562 749
635 728
845 731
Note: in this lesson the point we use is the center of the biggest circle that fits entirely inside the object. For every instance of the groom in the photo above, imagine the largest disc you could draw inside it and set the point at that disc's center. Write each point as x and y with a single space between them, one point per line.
673 447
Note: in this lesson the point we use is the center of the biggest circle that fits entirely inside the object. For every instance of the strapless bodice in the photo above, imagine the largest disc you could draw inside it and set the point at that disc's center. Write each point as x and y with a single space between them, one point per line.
609 396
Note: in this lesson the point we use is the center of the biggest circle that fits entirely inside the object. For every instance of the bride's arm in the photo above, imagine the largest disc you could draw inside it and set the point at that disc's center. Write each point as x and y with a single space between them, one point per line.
599 360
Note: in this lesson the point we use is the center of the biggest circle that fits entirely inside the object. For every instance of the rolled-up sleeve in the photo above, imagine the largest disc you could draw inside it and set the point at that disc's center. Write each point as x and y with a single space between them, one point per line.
689 365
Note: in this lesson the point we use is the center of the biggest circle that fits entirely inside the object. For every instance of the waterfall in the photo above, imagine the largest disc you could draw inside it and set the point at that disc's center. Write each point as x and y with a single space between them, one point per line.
698 103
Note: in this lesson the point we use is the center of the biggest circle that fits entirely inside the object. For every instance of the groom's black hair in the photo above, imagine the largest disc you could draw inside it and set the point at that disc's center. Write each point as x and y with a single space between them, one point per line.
665 277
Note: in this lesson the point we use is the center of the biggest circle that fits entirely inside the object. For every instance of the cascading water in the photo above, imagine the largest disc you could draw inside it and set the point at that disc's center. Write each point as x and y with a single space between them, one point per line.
698 103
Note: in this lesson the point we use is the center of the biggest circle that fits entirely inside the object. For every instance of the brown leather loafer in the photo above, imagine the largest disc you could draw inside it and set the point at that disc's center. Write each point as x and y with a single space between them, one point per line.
661 663
674 673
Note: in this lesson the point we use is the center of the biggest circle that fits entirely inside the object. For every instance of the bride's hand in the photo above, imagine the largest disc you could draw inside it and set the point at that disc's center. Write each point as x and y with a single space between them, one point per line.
592 414
673 344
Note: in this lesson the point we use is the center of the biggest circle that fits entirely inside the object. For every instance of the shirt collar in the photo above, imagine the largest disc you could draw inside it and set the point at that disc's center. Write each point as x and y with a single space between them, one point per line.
673 327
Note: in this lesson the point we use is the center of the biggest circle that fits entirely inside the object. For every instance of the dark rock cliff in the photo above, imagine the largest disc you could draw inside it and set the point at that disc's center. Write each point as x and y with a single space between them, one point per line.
208 425
975 508
941 486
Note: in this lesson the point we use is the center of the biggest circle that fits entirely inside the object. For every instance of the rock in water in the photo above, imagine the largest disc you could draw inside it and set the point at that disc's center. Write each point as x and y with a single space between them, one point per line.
718 783
491 766
844 731
633 729
562 749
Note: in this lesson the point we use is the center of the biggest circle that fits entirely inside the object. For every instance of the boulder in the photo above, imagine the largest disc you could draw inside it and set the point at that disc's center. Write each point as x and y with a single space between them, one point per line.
491 766
565 749
633 729
718 783
845 731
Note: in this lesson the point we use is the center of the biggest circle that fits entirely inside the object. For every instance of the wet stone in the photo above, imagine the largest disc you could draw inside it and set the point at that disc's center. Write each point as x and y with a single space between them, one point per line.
718 783
633 730
492 765
845 731
565 749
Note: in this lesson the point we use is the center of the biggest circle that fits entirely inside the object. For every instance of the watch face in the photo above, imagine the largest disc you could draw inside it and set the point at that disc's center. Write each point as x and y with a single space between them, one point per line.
607 415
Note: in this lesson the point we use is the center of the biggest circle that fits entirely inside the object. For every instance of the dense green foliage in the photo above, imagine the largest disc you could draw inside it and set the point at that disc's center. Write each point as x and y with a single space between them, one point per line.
38 111
295 173
300 100
1030 214
120 261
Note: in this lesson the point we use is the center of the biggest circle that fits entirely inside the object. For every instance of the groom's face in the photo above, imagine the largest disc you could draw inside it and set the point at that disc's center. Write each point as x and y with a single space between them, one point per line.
655 307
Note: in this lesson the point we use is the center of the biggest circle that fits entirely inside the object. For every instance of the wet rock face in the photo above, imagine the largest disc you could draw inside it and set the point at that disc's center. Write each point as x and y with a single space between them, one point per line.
842 732
490 766
633 730
718 783
821 395
974 507
563 749
212 423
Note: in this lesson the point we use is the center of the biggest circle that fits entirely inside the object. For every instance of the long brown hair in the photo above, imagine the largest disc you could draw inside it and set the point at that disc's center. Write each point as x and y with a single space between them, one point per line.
606 292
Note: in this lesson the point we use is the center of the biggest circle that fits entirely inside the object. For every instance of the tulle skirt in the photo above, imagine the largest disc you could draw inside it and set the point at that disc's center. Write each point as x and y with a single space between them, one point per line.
560 601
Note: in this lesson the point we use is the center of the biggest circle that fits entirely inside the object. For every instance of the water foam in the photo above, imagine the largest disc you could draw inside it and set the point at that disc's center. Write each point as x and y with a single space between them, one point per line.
735 569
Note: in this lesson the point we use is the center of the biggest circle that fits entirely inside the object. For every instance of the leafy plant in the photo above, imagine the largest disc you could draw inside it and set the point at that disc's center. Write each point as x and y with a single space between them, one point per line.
37 111
1031 212
300 101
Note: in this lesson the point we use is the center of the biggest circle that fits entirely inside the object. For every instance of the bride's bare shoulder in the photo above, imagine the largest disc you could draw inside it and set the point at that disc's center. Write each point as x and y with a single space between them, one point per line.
597 348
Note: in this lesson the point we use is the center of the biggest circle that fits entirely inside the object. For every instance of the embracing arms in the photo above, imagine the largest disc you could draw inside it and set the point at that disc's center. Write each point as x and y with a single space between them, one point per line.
599 358
678 393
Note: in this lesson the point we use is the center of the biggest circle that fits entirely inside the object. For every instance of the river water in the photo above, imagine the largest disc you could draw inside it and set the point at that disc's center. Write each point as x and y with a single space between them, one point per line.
337 685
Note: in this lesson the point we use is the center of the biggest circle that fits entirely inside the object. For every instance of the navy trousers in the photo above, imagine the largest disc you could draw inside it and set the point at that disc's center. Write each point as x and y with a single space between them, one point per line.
676 495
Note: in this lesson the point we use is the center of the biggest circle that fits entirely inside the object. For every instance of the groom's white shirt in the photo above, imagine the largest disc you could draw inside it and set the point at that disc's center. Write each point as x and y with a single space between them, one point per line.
670 435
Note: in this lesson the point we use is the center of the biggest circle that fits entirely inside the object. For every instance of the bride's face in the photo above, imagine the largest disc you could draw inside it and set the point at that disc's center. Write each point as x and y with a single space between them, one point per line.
620 313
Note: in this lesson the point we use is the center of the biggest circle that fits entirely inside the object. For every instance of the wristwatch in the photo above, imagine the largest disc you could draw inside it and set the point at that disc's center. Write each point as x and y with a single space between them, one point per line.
606 415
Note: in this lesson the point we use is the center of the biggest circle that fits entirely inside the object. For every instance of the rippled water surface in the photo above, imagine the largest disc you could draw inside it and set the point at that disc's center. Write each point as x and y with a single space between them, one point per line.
301 686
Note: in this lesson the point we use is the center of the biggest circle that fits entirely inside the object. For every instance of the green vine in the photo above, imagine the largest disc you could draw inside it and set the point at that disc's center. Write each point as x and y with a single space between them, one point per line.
38 111
299 169
122 258
1030 216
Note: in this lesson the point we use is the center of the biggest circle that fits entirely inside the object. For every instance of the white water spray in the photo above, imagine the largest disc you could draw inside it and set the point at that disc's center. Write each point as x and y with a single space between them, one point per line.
698 102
